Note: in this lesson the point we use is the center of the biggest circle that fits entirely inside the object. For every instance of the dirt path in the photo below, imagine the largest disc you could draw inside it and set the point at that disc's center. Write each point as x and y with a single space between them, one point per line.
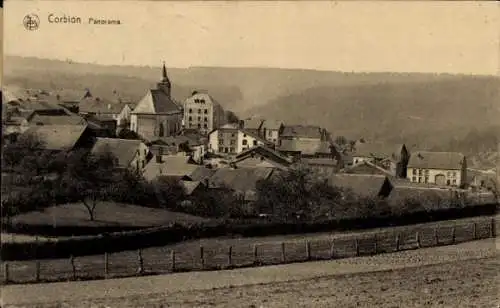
463 275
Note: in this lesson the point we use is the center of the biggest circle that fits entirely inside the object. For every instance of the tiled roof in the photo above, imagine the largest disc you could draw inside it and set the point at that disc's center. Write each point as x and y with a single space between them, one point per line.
378 150
92 105
123 149
171 166
257 137
202 95
304 146
156 101
201 173
271 124
319 161
190 186
366 165
68 119
436 160
265 151
252 123
361 184
58 137
242 180
304 131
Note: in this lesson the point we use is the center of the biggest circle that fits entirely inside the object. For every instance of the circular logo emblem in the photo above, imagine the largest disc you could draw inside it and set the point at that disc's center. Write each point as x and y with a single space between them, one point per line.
31 22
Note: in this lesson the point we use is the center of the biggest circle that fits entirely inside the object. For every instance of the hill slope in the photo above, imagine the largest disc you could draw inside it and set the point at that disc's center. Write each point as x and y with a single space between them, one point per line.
429 110
427 113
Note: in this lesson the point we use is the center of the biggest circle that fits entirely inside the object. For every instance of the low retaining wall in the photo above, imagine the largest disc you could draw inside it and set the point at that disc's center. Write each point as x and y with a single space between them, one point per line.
189 258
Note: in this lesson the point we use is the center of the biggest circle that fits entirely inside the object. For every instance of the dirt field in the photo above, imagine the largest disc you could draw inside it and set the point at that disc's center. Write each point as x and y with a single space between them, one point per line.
464 275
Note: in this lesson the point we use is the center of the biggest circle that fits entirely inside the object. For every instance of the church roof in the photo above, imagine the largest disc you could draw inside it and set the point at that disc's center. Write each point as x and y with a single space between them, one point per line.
156 101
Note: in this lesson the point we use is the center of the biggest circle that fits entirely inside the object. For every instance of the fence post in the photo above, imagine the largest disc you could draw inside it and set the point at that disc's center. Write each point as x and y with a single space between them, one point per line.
356 244
37 270
397 241
73 268
140 270
230 256
474 231
417 239
493 227
332 250
6 272
436 236
283 259
308 250
172 258
202 257
453 235
255 255
376 243
106 266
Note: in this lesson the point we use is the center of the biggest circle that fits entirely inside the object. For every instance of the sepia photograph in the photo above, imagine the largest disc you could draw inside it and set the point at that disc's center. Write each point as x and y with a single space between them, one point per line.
252 154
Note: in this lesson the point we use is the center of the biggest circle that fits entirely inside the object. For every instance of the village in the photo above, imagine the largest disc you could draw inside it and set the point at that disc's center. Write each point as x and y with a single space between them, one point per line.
203 146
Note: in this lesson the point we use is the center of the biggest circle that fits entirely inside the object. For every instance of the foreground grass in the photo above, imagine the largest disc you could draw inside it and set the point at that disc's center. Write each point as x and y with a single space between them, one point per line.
106 214
157 260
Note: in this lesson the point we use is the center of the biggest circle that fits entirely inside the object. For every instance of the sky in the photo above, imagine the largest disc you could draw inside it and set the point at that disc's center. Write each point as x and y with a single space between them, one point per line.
448 37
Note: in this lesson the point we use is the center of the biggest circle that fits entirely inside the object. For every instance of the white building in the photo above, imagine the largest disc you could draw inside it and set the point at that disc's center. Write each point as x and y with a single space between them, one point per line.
203 113
230 139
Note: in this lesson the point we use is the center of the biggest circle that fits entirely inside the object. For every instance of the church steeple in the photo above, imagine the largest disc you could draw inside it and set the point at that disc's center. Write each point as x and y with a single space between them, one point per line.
164 85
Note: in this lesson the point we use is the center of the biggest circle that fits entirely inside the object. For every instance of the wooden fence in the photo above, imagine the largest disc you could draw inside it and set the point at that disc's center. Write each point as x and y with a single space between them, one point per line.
162 260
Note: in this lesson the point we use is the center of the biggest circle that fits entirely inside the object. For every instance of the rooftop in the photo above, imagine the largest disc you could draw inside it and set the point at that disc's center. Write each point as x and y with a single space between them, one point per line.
123 149
436 160
58 137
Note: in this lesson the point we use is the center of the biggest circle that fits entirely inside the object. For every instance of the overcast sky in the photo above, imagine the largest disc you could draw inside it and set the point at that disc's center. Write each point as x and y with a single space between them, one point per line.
454 37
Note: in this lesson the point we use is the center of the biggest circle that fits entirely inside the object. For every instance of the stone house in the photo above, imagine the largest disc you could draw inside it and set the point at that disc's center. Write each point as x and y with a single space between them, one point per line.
439 168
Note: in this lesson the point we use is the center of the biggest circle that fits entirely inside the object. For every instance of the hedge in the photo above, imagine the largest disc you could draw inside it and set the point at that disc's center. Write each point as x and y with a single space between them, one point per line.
160 236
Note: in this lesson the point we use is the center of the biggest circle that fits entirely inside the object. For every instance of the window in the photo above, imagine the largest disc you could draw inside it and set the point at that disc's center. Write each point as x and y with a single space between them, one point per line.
245 142
226 150
413 171
205 125
143 164
270 134
448 173
426 179
233 135
221 141
199 110
199 125
419 171
145 152
454 182
202 101
206 111
190 110
413 179
426 172
231 150
454 174
205 119
199 119
233 142
255 142
447 182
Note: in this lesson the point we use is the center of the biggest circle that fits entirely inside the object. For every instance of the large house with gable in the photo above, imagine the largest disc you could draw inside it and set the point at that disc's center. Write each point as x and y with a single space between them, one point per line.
156 114
439 168
393 158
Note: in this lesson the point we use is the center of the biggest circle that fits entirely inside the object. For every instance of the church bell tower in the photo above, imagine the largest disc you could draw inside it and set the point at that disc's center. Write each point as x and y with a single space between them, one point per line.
165 84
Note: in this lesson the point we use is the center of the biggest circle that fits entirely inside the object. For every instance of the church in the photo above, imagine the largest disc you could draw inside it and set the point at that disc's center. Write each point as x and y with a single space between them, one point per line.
156 115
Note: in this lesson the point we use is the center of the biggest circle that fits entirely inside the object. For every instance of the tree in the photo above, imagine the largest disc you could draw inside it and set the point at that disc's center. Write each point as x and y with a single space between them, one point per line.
91 178
169 192
231 117
126 133
341 140
28 148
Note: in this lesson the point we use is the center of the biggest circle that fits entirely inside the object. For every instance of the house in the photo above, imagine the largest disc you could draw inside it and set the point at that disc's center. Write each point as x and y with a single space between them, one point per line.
133 154
65 138
440 168
365 185
202 112
171 166
321 167
388 156
253 125
305 141
242 181
156 114
232 140
192 145
102 126
261 157
119 111
271 130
